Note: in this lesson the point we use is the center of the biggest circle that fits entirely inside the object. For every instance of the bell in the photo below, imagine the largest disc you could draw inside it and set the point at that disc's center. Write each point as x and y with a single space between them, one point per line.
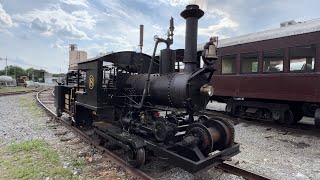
211 53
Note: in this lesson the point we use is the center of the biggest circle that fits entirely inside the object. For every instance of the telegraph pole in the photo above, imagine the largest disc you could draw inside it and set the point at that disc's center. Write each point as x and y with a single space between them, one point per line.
6 64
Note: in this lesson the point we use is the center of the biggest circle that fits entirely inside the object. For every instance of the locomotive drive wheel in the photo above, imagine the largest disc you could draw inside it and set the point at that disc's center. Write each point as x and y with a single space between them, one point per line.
225 130
317 118
136 157
161 131
214 134
202 132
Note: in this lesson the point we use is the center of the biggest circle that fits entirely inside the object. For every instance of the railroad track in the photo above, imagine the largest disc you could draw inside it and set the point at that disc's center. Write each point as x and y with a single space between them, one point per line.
299 128
105 152
18 92
226 167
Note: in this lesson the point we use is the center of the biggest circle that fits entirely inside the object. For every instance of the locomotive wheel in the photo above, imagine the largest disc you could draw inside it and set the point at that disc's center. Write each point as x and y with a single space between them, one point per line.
136 157
317 118
202 132
161 131
225 130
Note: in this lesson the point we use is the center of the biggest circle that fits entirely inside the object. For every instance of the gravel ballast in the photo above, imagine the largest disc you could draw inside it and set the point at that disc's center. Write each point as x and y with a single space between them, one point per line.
275 153
22 120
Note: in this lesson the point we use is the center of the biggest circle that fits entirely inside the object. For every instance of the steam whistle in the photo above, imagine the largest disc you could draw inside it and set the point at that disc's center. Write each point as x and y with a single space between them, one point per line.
141 38
170 31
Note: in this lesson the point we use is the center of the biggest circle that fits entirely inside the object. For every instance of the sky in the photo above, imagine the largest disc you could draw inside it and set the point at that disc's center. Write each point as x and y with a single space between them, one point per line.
38 33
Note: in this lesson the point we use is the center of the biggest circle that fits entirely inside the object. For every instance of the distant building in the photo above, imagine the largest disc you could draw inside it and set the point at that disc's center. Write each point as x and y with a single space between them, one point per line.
76 56
49 79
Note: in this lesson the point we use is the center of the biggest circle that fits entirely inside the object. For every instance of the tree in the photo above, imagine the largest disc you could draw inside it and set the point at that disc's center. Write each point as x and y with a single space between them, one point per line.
2 72
16 71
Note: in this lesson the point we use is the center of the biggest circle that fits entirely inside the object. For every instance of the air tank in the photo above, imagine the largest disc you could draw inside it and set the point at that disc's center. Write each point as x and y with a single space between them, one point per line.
4 78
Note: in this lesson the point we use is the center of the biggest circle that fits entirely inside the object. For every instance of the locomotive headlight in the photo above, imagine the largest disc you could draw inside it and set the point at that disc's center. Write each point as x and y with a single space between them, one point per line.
207 90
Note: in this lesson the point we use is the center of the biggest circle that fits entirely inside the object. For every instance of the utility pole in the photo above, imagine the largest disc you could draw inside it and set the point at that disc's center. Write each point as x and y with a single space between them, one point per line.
6 64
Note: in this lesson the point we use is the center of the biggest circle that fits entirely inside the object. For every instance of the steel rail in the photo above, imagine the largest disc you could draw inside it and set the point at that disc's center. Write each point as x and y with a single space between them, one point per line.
105 152
246 174
133 171
18 92
299 128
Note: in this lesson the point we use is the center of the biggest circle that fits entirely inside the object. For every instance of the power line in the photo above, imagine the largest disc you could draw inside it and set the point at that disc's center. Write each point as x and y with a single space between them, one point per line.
24 63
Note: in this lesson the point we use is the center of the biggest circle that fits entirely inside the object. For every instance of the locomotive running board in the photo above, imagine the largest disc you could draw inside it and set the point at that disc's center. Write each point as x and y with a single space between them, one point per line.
167 153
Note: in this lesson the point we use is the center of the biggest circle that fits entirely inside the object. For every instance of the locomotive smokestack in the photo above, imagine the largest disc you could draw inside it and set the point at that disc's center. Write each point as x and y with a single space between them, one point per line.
192 14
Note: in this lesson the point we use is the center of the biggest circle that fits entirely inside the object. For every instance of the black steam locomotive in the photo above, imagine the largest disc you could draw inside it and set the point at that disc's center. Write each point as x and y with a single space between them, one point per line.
143 104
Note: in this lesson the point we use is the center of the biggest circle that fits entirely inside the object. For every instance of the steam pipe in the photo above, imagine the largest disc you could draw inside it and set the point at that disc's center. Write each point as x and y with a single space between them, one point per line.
192 14
147 84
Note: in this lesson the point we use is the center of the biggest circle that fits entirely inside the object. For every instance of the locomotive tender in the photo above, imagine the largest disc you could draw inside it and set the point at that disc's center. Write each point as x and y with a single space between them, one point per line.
141 104
271 75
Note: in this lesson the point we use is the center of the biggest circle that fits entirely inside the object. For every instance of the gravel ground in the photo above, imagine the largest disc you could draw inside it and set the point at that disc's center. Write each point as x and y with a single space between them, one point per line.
21 119
276 154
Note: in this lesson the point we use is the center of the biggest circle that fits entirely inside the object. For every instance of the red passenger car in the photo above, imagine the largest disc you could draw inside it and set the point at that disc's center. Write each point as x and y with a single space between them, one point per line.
273 75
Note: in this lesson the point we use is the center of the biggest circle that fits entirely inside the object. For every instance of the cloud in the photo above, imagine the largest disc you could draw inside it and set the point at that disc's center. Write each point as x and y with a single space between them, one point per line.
59 44
83 3
225 22
175 2
24 62
5 19
54 20
201 3
6 32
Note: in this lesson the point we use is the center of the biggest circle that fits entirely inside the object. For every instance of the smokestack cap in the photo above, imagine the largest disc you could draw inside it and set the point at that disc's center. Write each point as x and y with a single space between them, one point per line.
192 10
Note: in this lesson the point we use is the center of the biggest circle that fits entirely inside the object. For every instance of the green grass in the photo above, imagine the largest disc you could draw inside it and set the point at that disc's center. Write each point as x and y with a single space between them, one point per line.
78 163
15 88
32 160
31 106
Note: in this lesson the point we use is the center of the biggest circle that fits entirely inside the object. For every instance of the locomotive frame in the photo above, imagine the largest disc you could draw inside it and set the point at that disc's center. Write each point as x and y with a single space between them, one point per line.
141 104
85 103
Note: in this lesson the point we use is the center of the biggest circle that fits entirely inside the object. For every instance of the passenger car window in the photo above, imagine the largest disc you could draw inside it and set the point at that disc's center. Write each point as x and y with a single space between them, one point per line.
249 62
273 60
302 58
228 64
